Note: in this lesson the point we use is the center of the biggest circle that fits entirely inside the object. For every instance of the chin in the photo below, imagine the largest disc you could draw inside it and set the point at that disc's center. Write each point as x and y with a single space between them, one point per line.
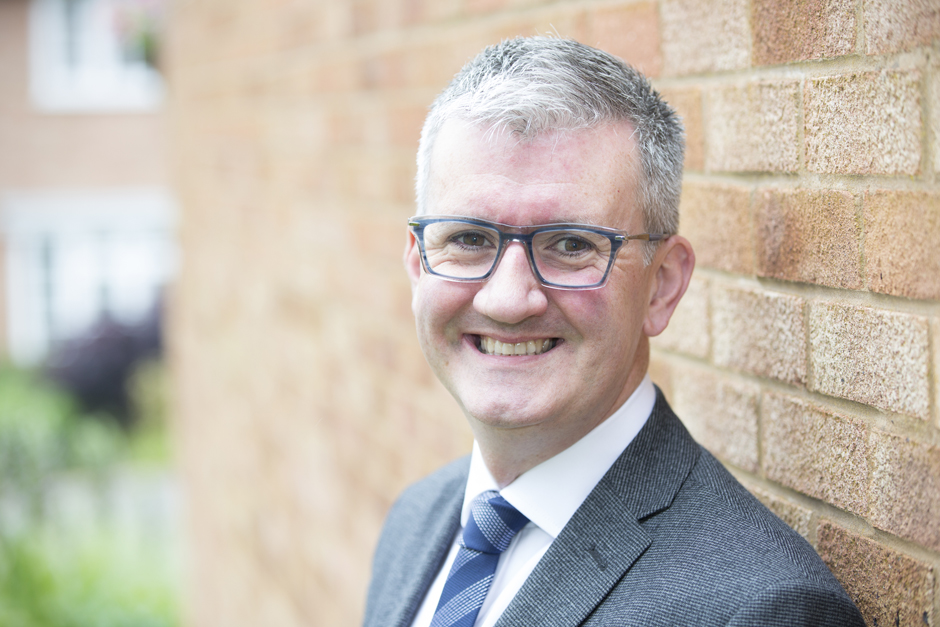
508 413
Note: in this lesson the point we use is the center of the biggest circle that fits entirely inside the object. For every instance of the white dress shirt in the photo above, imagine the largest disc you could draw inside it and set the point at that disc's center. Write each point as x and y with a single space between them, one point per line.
548 495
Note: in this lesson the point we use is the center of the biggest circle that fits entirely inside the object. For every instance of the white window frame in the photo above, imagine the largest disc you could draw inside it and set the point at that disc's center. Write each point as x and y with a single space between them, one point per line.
30 219
99 80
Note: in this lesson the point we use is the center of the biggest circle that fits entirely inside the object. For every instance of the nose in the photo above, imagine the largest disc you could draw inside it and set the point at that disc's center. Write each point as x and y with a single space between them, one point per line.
512 293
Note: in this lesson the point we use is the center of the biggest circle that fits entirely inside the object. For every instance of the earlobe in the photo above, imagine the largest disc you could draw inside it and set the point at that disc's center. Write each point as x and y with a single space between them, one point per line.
672 279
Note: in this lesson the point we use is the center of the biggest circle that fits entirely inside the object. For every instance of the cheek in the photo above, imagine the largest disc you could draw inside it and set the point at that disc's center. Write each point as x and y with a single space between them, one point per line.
609 319
437 307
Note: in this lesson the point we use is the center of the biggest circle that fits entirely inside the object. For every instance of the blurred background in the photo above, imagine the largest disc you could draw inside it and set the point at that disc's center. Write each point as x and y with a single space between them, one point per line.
89 504
211 391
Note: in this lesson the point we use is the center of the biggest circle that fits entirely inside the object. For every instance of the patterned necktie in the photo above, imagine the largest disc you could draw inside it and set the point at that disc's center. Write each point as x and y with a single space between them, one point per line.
492 524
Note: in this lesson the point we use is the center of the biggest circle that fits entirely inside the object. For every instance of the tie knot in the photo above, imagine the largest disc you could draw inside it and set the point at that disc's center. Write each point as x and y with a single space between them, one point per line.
492 523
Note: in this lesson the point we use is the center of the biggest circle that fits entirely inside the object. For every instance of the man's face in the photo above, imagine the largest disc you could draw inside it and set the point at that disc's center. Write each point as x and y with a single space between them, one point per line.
597 358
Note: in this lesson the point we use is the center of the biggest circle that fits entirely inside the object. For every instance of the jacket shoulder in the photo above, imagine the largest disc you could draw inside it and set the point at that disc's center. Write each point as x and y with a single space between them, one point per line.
414 542
743 562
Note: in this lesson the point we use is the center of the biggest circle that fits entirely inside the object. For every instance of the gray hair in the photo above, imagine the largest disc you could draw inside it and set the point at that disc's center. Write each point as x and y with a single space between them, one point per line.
529 86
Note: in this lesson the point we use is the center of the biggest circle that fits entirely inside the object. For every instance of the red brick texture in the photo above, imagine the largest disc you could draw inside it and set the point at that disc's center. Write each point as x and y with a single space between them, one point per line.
879 358
800 30
717 220
809 237
753 127
866 123
805 354
892 26
629 31
901 243
815 452
890 588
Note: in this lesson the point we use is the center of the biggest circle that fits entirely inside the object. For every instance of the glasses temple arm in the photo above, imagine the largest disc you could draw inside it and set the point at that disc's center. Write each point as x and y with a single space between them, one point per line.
648 237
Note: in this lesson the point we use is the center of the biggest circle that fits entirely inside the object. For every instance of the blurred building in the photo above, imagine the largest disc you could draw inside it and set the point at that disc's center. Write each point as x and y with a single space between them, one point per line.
86 216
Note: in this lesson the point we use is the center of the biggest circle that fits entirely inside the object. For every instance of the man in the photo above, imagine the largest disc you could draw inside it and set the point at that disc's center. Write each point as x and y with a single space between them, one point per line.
543 258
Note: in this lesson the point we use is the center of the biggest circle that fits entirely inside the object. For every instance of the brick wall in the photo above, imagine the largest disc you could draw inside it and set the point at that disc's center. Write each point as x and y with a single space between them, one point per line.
806 353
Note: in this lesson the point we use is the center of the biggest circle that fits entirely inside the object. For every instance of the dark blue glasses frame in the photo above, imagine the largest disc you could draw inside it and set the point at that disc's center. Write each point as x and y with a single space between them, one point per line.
524 235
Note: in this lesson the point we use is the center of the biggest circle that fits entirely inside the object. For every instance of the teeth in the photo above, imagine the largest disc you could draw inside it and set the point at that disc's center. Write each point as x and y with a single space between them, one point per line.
530 347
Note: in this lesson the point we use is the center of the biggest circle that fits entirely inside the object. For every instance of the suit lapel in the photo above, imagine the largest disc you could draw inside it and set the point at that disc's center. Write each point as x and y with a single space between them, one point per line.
604 538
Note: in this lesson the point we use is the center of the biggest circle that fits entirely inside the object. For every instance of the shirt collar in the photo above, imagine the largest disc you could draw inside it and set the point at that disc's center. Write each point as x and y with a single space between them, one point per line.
549 494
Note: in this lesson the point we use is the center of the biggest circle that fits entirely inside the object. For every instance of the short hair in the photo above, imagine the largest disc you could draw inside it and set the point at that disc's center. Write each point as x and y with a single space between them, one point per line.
534 85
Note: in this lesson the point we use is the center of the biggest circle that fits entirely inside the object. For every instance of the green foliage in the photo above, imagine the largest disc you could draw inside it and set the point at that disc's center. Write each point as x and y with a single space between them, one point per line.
50 574
32 423
41 434
149 444
48 582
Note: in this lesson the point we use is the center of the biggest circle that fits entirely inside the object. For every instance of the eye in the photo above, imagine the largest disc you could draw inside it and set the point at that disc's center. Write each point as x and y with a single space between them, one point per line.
471 239
572 244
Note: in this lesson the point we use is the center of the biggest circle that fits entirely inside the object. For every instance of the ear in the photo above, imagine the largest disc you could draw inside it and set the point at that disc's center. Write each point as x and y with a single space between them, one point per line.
412 259
673 264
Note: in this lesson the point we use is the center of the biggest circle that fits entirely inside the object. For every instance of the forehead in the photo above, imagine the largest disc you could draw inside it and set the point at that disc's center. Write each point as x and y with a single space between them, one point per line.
586 176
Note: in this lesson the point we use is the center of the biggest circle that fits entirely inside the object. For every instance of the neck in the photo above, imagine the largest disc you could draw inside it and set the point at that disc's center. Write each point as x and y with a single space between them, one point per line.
510 452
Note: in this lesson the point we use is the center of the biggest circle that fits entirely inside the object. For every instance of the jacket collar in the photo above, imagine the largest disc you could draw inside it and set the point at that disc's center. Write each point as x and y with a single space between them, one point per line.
604 538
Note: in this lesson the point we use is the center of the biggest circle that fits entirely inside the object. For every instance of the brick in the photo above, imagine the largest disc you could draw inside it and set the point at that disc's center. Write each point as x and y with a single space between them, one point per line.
721 414
933 106
797 517
866 123
430 11
808 236
404 125
688 329
759 332
753 128
889 587
716 219
564 21
688 104
902 231
477 7
894 26
336 75
365 17
660 372
869 356
815 452
630 32
798 30
384 71
905 488
935 345
704 36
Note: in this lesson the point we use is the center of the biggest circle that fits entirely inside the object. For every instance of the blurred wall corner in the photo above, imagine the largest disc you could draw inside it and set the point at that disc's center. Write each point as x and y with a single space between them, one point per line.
87 219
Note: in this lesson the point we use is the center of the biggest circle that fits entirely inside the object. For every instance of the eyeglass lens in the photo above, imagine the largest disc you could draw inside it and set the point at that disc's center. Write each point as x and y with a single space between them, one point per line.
569 257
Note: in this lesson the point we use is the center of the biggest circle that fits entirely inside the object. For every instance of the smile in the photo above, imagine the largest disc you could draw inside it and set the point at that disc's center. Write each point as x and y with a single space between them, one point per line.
490 346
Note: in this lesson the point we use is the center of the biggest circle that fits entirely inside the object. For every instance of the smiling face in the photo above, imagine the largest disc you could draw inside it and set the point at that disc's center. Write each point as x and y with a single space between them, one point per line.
515 354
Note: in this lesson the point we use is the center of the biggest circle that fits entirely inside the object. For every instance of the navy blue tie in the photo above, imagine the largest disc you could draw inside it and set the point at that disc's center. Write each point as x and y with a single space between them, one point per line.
492 524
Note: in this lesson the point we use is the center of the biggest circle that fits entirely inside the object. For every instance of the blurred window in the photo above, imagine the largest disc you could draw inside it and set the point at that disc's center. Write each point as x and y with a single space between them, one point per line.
95 55
75 258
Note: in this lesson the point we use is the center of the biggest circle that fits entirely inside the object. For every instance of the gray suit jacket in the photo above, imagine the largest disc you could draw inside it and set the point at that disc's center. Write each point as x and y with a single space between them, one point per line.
667 537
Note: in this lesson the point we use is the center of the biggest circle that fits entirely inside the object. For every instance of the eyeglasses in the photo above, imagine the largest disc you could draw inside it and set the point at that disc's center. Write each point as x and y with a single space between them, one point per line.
563 256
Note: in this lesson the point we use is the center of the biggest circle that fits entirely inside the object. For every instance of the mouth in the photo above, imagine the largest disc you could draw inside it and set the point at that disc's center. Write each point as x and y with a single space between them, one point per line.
490 346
